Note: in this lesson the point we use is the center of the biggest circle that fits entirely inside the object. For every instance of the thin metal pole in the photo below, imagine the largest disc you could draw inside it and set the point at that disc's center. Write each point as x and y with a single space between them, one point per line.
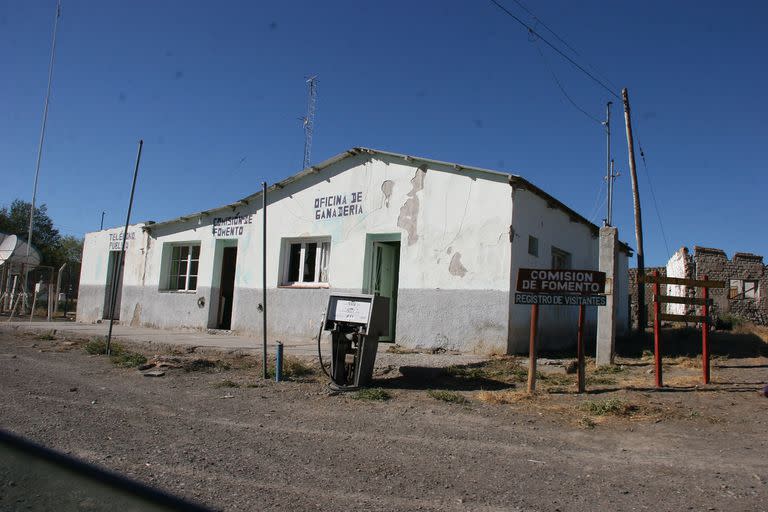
532 349
102 221
117 272
641 317
608 170
42 138
657 330
580 350
704 335
264 276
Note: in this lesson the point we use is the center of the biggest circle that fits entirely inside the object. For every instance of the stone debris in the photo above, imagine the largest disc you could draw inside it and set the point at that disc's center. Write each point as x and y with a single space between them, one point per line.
154 373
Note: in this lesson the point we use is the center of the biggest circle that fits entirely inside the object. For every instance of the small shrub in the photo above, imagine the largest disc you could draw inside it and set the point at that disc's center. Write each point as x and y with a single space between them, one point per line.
98 346
293 367
609 369
46 336
728 322
127 359
448 396
612 406
371 394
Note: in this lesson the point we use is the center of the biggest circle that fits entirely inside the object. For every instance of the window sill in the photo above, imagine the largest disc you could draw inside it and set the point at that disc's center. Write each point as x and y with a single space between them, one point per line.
187 292
305 286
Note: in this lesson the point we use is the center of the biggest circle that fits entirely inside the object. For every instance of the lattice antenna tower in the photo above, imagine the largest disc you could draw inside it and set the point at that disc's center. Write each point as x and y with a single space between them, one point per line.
309 120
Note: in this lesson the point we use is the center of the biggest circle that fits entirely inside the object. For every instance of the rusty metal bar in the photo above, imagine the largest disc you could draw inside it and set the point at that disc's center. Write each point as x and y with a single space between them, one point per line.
704 338
657 332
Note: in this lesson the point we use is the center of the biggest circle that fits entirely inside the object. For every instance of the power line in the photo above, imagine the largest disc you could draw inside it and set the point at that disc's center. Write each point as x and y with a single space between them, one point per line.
653 194
563 55
562 89
538 20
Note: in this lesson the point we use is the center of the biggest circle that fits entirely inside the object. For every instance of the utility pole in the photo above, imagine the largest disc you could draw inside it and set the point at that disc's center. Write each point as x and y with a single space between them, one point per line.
309 120
641 318
42 138
608 172
117 272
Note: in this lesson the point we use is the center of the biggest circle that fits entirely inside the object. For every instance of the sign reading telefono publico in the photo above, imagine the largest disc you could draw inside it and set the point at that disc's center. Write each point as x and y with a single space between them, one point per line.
560 287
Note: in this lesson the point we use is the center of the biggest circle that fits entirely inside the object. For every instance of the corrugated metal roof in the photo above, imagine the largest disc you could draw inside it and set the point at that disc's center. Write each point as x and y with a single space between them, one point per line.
513 179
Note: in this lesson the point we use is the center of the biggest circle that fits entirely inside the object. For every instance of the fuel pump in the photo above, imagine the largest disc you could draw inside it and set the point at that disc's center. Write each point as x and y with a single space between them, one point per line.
356 321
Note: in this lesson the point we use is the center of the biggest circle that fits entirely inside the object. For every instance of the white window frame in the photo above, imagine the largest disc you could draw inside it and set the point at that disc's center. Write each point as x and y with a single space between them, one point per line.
322 262
172 279
751 289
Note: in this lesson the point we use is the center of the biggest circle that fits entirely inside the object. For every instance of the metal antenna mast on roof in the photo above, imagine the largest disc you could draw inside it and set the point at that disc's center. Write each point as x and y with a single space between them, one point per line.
610 176
309 120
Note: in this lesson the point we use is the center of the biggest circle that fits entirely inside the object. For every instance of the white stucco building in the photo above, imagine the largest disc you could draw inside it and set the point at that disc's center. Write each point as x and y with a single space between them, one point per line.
443 240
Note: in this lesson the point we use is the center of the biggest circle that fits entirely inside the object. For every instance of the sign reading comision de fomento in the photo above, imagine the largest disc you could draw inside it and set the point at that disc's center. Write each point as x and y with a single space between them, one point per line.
560 287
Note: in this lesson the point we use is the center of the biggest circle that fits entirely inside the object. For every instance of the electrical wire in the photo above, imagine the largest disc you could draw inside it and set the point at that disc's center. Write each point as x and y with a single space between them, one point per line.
650 187
562 89
556 49
538 20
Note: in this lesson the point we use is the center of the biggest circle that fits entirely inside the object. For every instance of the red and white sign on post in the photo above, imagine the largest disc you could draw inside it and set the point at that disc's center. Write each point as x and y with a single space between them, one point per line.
558 287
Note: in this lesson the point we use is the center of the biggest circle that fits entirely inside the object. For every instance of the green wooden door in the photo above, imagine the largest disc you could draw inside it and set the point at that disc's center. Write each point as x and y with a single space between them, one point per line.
383 282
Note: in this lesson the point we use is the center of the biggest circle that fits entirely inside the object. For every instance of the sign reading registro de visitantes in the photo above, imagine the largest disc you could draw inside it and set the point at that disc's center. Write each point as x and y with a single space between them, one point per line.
560 287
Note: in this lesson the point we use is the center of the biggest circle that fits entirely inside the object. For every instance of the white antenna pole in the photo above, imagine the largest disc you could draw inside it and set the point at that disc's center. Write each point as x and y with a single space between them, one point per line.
309 121
42 131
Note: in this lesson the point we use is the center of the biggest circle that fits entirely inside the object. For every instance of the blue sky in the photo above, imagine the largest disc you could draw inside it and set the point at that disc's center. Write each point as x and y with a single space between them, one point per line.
216 89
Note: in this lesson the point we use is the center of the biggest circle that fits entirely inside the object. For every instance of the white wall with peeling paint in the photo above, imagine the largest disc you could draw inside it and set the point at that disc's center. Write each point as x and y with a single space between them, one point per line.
456 272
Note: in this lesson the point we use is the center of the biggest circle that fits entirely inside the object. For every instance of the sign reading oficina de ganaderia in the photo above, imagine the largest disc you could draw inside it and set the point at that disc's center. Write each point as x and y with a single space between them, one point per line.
232 226
560 287
338 205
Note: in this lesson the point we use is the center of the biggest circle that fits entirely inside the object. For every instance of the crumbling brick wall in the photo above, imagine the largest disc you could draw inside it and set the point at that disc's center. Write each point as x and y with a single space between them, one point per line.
714 263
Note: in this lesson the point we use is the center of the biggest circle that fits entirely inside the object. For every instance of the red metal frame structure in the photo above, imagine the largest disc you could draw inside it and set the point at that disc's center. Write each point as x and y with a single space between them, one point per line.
705 284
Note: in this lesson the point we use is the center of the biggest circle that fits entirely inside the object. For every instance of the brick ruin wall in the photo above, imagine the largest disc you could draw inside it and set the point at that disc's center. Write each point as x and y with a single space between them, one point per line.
714 263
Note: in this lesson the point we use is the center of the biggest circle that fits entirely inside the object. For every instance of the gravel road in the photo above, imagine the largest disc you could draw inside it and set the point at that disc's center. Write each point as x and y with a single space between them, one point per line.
294 446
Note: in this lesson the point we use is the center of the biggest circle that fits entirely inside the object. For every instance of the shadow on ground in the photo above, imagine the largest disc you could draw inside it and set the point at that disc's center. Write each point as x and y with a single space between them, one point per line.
686 342
469 377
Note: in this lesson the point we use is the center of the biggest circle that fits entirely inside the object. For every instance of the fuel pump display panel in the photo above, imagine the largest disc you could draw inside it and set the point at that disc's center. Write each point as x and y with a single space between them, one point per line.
355 311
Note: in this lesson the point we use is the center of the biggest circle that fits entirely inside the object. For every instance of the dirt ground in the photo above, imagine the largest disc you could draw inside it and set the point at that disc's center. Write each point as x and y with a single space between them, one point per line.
461 438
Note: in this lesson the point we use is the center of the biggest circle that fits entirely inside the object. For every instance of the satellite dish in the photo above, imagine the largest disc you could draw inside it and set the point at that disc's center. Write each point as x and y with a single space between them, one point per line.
7 247
13 252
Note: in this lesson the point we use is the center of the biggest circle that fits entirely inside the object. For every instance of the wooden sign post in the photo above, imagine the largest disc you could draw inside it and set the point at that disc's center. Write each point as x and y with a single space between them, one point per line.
558 287
705 284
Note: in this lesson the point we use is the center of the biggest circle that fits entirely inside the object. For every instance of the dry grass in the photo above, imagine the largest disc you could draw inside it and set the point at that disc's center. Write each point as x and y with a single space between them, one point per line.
508 397
399 349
